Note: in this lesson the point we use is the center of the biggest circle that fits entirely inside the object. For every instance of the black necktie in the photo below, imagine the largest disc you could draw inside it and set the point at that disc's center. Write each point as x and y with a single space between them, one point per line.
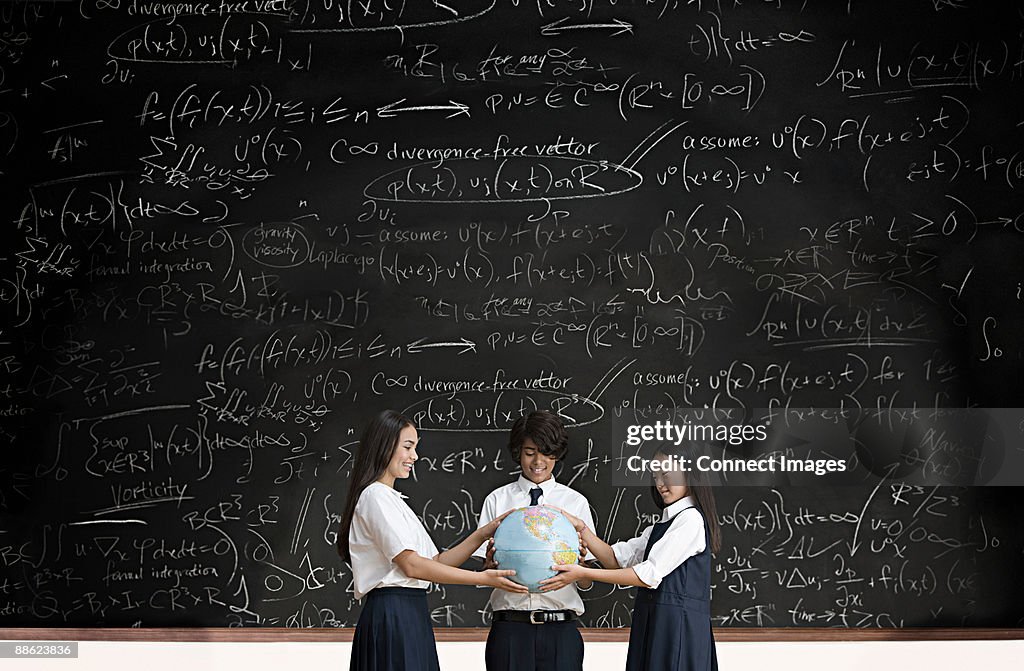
535 495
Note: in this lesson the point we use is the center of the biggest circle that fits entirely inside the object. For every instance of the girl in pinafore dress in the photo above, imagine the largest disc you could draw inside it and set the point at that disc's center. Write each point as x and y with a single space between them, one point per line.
670 564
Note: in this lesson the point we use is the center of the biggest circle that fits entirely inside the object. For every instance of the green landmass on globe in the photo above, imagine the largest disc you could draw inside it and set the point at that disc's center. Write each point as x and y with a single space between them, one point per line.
531 540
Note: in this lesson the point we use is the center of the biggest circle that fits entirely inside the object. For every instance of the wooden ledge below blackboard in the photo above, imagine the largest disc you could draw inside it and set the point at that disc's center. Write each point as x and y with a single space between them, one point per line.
288 635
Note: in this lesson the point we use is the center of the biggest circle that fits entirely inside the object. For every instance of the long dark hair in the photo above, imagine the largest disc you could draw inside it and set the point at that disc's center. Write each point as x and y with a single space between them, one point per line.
376 447
699 488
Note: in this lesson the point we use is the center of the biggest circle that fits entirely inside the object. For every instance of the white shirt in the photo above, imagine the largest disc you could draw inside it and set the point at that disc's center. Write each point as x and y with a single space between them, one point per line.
517 495
383 525
683 539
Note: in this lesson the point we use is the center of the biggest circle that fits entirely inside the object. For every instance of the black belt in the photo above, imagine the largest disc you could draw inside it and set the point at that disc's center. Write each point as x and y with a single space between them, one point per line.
534 616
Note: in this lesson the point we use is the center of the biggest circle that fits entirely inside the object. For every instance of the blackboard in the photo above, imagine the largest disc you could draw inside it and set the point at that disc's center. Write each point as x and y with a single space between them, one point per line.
236 230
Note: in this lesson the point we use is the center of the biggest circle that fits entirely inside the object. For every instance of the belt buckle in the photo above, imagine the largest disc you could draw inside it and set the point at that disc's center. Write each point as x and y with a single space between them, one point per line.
533 613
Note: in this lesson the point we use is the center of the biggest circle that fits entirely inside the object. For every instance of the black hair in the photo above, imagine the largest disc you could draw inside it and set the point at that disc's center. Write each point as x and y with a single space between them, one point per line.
699 488
376 447
545 429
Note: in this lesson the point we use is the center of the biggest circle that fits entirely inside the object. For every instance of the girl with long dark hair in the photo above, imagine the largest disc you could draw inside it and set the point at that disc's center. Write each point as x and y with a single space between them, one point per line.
670 564
393 559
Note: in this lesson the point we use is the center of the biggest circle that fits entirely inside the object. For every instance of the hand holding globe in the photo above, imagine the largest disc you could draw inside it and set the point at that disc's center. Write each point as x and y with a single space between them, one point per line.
531 540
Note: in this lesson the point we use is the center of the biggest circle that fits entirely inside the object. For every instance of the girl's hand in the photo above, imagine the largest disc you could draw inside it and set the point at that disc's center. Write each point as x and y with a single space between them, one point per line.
488 529
567 574
577 523
497 578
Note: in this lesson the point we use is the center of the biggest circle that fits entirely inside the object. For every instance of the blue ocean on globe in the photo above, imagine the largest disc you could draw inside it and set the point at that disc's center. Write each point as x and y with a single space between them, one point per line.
531 540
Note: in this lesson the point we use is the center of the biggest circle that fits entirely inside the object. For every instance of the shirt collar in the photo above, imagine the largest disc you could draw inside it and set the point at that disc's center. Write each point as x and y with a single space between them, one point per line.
527 485
390 489
674 509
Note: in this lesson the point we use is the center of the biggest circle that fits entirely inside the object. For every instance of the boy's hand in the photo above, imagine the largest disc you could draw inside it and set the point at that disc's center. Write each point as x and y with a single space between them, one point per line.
489 562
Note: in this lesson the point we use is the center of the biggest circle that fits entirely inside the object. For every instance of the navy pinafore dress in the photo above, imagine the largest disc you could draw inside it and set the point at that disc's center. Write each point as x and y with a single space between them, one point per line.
671 628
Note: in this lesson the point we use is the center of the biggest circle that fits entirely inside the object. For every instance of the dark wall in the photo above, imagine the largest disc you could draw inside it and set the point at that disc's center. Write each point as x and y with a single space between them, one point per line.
234 231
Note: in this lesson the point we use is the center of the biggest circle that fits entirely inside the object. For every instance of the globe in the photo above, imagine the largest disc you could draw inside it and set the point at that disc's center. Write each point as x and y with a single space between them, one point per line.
531 540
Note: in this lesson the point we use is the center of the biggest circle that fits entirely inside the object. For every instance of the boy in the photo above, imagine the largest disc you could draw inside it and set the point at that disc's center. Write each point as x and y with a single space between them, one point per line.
535 632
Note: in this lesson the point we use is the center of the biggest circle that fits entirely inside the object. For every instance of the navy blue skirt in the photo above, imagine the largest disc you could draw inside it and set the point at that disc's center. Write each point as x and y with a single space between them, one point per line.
394 633
670 633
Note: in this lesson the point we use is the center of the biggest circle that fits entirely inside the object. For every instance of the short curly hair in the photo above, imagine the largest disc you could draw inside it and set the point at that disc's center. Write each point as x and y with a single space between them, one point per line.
545 429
